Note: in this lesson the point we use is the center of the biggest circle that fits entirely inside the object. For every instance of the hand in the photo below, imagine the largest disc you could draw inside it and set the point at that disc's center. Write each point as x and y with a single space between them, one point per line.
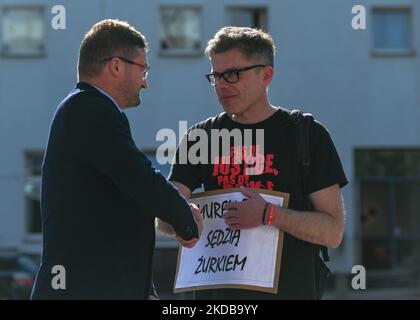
247 214
197 217
187 244
199 221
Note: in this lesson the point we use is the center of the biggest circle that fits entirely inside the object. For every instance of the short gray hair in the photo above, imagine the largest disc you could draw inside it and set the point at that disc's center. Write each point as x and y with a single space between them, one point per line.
252 43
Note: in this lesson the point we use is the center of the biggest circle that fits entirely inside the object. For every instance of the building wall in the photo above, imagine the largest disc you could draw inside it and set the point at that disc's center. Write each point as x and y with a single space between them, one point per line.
323 66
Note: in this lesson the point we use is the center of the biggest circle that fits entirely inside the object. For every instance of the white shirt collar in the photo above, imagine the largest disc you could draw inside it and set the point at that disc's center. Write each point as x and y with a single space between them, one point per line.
113 100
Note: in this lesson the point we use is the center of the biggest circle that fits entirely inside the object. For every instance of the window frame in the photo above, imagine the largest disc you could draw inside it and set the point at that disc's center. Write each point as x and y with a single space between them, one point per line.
409 52
173 52
31 178
230 8
41 53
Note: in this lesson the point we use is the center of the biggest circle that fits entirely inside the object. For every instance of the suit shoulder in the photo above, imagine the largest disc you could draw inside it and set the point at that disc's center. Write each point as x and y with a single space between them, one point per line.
85 102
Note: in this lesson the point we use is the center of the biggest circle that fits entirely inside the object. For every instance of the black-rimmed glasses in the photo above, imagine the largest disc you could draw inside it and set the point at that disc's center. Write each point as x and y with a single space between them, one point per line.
145 67
230 76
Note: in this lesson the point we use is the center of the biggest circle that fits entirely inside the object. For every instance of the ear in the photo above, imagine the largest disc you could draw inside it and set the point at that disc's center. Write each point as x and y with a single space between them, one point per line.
114 67
268 75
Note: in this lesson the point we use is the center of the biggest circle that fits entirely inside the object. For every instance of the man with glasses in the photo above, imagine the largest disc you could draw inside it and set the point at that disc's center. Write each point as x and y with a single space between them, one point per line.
100 194
242 61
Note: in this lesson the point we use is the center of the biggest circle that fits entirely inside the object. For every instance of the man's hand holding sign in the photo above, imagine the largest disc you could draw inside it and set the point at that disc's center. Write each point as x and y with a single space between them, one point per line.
246 215
236 250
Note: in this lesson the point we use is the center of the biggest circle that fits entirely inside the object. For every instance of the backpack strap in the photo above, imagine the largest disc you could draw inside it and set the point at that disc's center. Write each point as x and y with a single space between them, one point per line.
302 122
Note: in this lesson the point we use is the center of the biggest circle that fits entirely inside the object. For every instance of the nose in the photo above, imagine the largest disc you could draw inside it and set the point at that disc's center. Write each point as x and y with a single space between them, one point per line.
144 85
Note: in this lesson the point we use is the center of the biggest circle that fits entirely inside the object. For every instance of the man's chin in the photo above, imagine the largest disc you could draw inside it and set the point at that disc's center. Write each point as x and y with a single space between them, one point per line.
135 103
230 110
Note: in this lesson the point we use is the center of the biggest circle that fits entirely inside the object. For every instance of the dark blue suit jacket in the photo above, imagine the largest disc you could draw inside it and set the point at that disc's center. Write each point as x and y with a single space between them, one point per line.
100 196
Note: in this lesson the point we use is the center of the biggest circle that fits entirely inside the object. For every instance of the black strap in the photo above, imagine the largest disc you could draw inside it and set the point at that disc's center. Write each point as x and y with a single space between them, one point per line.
303 122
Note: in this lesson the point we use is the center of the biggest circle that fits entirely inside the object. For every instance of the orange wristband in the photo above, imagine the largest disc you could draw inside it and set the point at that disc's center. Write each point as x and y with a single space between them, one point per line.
270 214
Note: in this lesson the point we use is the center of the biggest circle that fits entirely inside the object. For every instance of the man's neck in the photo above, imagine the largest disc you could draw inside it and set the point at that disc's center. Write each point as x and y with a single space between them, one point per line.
104 87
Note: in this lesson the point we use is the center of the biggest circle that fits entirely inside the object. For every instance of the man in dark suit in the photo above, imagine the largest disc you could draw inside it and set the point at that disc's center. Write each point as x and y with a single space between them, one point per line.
100 195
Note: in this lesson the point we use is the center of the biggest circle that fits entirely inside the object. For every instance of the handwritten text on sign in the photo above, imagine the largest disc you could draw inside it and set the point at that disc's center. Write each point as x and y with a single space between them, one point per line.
229 258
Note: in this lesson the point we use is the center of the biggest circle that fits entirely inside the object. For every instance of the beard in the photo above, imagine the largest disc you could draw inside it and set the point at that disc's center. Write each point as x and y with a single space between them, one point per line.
134 100
131 97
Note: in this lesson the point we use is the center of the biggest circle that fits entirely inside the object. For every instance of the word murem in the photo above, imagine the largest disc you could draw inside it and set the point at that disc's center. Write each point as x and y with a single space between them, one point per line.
220 264
215 210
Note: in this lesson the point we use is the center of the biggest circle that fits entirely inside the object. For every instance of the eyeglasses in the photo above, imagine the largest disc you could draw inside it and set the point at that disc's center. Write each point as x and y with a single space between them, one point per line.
230 76
145 67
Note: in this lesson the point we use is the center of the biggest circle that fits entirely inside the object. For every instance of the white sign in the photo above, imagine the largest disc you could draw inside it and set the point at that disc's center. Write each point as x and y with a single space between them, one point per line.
225 258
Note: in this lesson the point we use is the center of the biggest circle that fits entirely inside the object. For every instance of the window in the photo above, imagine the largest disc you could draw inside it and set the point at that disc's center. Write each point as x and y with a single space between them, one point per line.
389 185
32 191
387 162
23 31
180 30
392 31
248 17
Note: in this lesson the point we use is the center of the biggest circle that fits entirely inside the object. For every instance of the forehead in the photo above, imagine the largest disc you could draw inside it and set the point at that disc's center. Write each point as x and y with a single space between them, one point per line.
228 60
